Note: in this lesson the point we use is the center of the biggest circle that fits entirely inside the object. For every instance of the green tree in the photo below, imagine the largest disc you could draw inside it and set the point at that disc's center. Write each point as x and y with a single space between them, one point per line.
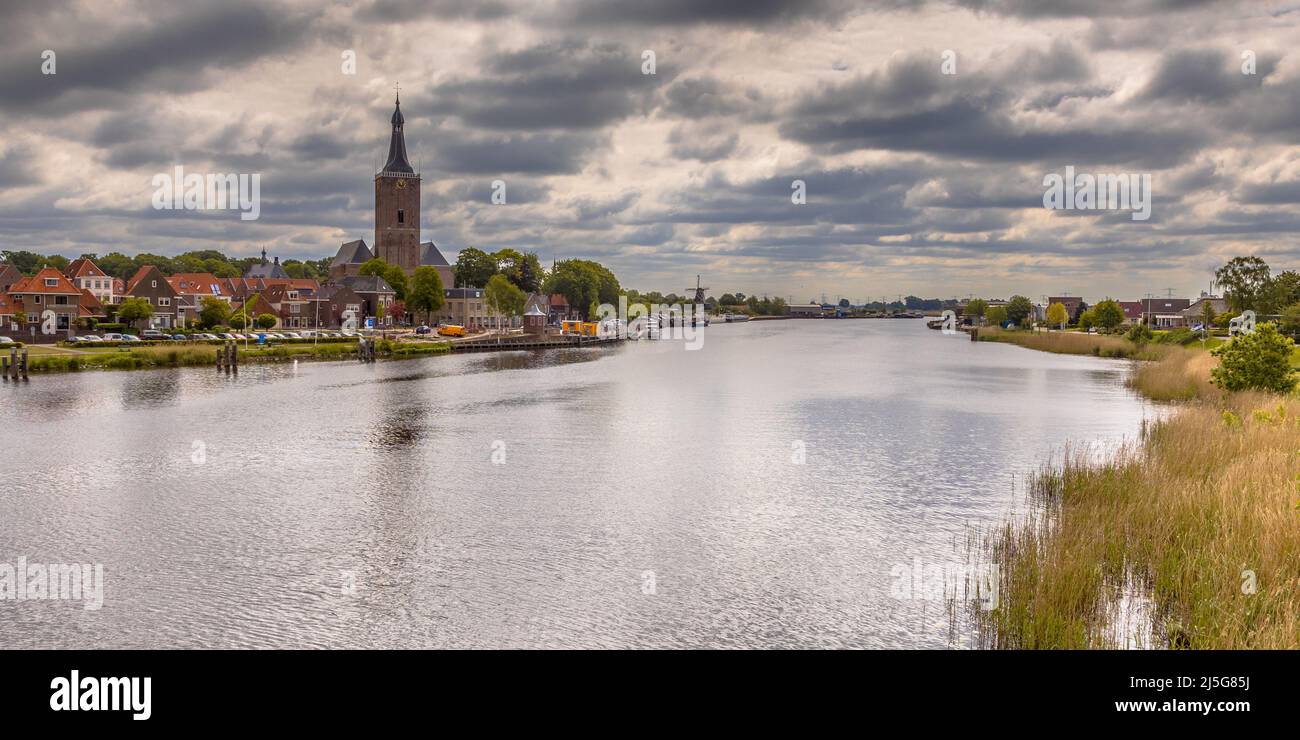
1057 315
474 268
1247 282
975 309
132 310
426 293
215 312
1108 314
1088 319
266 320
1207 316
1285 290
1260 360
996 315
584 283
1019 309
504 297
1139 334
1291 319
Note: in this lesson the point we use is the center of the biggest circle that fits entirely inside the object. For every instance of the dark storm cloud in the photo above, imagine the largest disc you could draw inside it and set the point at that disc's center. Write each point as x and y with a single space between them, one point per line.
535 154
172 51
17 168
566 85
1084 8
391 11
719 12
911 106
1205 75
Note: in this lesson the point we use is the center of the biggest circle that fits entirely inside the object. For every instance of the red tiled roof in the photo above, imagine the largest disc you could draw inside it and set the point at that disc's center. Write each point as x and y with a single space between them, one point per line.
82 267
37 284
196 283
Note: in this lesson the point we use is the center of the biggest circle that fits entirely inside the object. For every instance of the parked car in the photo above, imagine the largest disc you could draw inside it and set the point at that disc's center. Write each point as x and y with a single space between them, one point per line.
6 340
152 334
89 338
423 330
292 335
112 337
225 335
130 338
180 337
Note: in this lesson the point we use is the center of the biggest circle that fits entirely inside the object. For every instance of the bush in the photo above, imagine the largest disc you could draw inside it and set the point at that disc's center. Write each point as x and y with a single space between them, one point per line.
1257 361
1139 334
1182 335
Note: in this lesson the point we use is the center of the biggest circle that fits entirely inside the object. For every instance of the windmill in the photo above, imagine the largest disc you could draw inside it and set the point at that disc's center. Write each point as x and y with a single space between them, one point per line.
699 291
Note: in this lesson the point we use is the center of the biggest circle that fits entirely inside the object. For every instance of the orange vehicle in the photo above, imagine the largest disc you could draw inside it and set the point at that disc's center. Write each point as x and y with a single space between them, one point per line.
579 328
451 331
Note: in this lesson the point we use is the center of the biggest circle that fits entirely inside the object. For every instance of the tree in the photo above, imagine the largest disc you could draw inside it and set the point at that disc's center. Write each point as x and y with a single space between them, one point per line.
395 276
1207 316
1019 309
504 297
975 309
1108 314
1088 319
1291 319
1260 360
1139 334
132 310
1285 290
583 283
215 312
996 315
1247 282
728 299
397 309
1056 314
426 292
844 303
266 320
474 268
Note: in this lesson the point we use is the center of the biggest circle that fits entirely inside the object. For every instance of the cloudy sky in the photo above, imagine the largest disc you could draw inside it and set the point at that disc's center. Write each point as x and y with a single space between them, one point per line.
917 181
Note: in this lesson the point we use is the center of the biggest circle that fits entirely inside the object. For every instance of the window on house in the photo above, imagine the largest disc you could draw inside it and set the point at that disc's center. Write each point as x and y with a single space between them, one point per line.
164 301
61 300
153 283
401 216
51 282
38 299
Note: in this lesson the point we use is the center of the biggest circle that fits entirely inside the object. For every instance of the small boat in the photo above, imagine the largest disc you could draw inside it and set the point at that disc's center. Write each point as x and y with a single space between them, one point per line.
732 318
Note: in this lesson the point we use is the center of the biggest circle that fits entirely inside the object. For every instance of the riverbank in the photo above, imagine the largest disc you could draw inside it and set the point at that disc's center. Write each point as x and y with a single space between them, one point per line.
1187 537
199 355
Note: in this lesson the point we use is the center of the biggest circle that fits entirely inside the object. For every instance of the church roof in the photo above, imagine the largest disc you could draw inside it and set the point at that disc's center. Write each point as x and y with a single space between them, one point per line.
367 284
266 269
353 253
430 256
397 162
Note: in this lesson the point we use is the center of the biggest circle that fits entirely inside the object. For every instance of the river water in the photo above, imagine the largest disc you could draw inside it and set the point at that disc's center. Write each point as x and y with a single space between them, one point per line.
769 489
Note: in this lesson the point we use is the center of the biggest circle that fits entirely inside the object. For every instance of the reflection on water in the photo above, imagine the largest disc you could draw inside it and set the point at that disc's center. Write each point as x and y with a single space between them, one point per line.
756 492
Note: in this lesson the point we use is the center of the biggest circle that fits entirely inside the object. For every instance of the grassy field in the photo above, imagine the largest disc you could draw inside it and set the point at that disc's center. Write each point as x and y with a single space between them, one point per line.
1076 343
1188 537
198 355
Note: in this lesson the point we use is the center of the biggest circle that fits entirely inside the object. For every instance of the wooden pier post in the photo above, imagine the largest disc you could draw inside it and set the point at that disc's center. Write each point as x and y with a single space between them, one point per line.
25 363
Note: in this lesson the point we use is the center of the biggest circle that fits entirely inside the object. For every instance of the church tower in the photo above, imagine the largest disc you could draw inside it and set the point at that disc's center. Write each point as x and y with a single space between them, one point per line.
397 204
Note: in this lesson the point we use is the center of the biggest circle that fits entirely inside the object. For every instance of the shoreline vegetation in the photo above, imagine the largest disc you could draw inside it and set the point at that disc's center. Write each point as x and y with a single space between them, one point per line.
1186 537
204 355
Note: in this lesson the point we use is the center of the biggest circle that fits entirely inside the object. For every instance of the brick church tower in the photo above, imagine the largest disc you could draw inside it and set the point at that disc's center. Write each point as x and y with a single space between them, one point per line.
397 204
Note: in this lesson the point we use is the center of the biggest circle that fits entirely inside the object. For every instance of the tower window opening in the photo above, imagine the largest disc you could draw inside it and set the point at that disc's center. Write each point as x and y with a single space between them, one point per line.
401 216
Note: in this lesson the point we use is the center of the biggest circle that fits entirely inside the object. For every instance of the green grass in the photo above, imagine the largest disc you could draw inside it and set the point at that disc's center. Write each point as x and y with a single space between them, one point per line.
200 355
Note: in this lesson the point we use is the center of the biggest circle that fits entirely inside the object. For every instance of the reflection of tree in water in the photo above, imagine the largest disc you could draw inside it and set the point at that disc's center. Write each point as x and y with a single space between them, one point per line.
536 358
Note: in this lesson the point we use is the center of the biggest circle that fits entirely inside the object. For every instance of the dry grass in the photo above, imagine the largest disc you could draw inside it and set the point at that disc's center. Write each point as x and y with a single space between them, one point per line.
1076 343
1198 519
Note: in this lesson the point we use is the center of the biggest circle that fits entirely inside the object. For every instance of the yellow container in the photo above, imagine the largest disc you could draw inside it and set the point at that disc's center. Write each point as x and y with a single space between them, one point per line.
452 331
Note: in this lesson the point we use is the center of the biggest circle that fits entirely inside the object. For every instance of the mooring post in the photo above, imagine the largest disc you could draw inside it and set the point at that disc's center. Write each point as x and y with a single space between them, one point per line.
24 363
4 368
974 333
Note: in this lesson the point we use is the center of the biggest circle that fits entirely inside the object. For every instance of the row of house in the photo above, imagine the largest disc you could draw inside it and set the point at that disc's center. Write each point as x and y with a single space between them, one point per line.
1158 313
84 291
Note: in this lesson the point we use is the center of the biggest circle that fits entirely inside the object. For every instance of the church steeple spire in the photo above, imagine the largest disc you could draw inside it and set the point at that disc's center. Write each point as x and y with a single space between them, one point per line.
397 161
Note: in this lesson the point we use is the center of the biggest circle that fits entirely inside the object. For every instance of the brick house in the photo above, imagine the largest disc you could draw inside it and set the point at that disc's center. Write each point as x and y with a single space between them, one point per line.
1074 305
1164 313
150 284
375 292
46 295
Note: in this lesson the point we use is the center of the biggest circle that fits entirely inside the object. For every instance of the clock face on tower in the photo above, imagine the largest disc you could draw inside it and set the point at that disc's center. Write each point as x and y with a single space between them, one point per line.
401 184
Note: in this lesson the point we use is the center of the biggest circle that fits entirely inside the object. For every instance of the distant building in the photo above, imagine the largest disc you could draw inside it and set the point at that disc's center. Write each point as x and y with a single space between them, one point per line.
810 310
1132 311
266 269
1164 313
1193 314
151 285
1074 305
465 307
48 290
375 293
